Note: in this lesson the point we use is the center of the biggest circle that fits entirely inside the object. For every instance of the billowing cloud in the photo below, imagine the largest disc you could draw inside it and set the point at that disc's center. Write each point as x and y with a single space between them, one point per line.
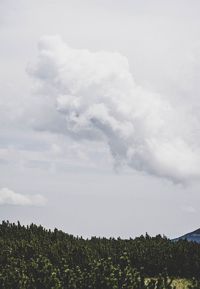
93 96
9 197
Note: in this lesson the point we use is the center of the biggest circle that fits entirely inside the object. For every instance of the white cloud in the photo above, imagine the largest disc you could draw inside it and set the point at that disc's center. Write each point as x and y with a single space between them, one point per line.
93 95
9 197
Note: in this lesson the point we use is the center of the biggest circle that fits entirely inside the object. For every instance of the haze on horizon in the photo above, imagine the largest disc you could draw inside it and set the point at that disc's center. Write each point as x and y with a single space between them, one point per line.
100 116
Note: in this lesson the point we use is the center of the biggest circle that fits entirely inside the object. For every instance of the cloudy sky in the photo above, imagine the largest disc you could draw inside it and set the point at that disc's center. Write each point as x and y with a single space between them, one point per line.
99 115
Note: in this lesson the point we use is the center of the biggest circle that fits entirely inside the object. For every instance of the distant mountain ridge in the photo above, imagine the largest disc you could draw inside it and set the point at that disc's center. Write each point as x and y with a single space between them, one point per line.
193 236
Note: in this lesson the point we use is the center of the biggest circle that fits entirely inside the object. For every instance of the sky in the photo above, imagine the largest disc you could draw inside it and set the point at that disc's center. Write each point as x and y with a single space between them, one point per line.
99 115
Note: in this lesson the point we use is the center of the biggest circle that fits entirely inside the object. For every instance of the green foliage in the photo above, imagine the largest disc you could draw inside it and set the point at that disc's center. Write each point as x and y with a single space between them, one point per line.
32 257
195 284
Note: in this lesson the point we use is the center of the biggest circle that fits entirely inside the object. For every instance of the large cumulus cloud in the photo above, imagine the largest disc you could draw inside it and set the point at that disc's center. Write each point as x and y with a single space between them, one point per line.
93 95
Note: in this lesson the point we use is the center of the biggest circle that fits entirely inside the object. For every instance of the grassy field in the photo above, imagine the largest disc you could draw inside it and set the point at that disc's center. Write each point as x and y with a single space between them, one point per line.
181 283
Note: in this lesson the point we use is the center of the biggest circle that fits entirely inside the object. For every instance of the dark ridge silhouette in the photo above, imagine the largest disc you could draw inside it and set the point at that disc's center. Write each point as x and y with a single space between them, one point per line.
192 236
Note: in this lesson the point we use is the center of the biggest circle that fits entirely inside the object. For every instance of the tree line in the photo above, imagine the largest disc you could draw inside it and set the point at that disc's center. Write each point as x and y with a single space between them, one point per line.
33 257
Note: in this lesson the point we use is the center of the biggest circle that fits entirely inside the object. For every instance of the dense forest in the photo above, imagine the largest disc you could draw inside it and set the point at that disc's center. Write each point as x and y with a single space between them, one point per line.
33 257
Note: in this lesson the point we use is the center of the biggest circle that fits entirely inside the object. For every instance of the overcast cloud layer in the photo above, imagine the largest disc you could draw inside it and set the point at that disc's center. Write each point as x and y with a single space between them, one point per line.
117 87
94 96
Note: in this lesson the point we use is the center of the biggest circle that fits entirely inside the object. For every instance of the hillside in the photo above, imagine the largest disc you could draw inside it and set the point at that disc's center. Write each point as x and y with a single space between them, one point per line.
33 257
193 236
